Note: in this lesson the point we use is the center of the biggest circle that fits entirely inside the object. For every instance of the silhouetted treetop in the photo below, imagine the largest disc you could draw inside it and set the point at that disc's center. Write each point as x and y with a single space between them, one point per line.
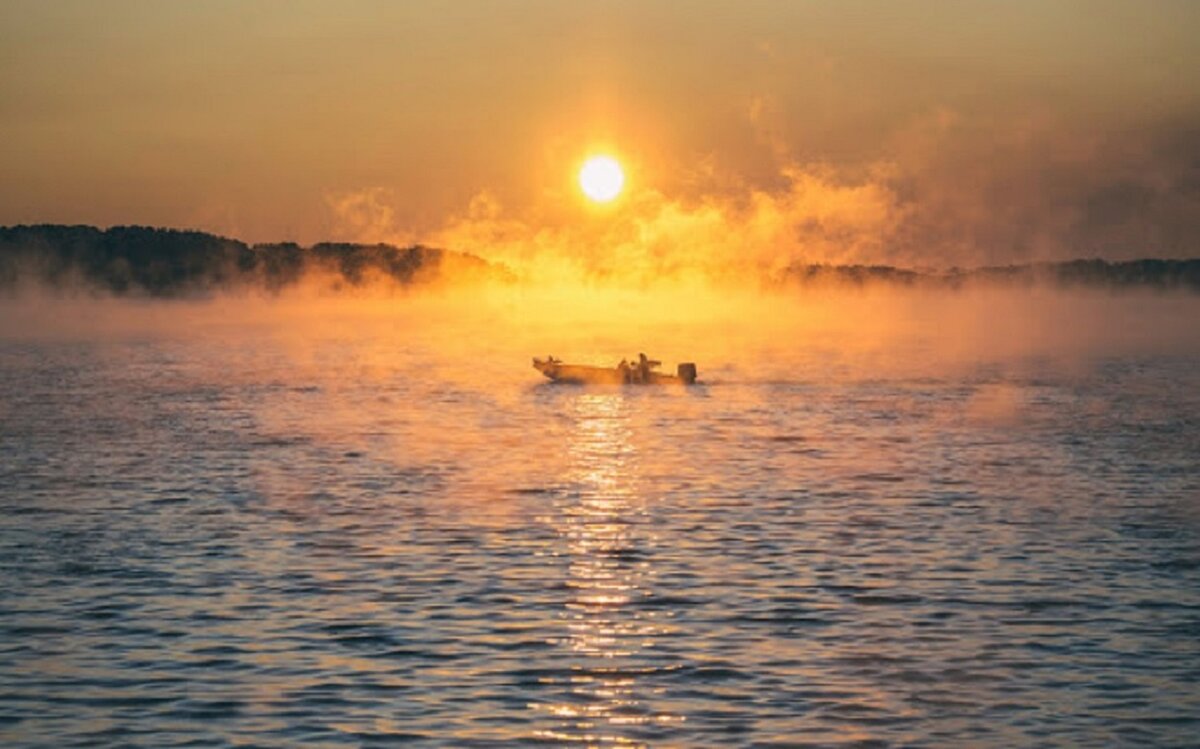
140 260
171 262
1092 273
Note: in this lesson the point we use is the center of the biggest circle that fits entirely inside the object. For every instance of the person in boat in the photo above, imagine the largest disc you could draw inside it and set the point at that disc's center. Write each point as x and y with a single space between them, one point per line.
643 368
624 371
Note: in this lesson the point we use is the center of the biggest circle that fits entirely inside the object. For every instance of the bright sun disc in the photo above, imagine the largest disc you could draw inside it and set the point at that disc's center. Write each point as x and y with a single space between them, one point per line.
601 178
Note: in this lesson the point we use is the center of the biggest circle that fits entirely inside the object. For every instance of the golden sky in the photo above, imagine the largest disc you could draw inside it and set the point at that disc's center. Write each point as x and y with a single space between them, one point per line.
914 132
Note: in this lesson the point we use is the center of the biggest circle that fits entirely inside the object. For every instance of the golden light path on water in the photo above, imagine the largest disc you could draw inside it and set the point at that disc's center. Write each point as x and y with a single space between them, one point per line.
604 527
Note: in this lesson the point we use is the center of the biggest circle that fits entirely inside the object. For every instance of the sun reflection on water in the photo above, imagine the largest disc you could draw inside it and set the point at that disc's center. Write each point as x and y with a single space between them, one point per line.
601 521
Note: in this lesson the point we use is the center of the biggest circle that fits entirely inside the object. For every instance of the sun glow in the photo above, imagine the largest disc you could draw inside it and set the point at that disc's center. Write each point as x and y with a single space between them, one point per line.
601 178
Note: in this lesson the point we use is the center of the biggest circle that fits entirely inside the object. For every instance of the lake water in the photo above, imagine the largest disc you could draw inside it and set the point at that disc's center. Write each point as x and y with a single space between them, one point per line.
345 535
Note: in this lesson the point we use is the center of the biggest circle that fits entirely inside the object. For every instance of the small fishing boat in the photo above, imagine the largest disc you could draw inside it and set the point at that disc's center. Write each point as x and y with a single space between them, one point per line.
640 372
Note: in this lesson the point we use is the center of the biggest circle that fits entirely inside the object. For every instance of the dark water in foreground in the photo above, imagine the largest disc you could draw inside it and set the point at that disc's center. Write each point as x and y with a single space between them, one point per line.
203 543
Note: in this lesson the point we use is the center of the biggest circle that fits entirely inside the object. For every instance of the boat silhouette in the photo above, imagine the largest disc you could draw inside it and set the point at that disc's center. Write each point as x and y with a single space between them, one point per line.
640 372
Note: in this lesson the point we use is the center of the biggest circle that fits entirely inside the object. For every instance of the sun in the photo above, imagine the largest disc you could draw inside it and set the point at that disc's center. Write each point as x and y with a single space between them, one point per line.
601 178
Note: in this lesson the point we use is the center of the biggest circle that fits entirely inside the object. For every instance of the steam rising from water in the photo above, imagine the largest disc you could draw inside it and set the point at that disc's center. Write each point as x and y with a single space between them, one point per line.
949 191
732 332
818 215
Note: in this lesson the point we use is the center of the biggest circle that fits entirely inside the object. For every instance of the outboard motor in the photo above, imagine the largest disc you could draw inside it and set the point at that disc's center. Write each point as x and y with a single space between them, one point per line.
686 372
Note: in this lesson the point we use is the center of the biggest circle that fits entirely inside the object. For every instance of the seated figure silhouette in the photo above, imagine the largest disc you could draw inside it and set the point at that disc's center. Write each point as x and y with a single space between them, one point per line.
626 371
643 368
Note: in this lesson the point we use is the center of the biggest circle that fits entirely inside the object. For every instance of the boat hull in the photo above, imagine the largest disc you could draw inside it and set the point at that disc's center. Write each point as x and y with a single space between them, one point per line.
582 374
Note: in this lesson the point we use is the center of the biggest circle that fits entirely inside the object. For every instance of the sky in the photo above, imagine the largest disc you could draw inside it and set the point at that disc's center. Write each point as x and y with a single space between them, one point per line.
918 133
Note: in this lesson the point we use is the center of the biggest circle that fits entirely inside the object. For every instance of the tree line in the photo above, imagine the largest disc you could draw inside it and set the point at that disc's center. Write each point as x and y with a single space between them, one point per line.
140 260
127 260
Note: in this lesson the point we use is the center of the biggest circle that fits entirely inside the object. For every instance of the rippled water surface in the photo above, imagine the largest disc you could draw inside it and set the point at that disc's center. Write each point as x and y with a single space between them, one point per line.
243 540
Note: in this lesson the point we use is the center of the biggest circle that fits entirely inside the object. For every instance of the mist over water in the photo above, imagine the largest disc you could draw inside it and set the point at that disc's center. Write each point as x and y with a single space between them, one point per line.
885 517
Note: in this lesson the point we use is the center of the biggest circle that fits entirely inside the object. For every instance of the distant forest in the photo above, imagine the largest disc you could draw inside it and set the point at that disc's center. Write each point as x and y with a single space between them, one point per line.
1093 273
145 261
138 260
